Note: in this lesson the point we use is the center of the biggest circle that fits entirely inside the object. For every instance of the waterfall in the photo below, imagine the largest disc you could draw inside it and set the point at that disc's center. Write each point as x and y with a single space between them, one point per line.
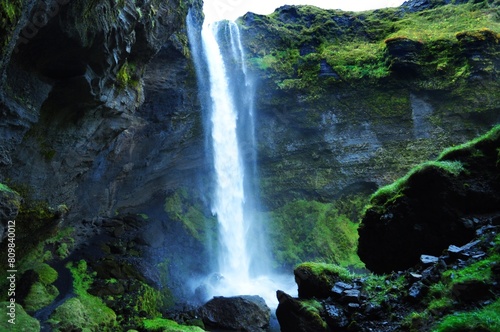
242 258
229 174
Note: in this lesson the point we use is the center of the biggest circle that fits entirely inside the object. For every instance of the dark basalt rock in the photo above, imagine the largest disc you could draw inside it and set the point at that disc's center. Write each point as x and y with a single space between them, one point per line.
413 6
10 202
336 317
294 318
429 213
240 313
404 55
337 313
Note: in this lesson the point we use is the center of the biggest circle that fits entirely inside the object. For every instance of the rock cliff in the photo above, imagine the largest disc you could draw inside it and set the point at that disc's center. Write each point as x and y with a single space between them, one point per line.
353 100
102 145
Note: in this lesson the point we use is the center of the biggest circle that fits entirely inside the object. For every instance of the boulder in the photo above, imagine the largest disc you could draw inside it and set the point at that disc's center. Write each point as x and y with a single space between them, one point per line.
425 214
293 316
320 281
238 313
335 316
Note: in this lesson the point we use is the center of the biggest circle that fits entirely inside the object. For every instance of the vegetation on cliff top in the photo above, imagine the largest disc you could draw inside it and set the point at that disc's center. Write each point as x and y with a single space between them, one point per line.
307 47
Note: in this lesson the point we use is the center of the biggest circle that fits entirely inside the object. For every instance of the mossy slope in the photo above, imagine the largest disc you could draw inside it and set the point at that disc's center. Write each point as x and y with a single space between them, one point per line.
427 210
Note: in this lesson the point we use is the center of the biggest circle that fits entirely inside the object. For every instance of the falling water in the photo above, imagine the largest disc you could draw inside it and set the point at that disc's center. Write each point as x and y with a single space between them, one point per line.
229 193
242 257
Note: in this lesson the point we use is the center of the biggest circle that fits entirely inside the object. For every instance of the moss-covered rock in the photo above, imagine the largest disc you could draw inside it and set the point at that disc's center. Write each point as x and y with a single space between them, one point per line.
427 210
316 280
42 292
457 293
84 311
349 98
40 295
300 315
188 208
161 324
21 321
325 231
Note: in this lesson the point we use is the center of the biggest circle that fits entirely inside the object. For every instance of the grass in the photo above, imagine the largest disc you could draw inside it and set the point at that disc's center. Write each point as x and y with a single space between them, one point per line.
490 136
357 51
478 271
482 319
382 288
444 22
5 188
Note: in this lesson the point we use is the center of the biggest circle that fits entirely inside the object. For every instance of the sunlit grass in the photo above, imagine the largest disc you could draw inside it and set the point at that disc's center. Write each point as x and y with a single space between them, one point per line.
484 319
356 60
445 22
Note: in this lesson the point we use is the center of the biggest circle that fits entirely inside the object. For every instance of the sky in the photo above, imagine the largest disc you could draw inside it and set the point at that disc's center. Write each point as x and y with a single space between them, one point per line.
216 10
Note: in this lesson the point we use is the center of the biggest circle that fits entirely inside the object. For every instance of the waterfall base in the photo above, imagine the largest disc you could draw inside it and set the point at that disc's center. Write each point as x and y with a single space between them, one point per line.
263 286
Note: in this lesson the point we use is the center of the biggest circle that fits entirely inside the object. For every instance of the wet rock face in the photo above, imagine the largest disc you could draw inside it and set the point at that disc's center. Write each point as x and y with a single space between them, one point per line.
240 313
9 207
405 56
318 140
69 99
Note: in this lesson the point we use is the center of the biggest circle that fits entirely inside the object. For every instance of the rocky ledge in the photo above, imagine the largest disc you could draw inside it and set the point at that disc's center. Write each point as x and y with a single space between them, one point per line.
437 204
435 235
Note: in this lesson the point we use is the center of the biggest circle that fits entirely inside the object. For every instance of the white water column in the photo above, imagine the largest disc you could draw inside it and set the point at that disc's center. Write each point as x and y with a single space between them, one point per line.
234 261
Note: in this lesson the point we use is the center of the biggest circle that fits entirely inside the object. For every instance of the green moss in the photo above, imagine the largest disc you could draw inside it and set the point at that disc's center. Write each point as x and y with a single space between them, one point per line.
415 321
70 316
39 296
150 301
313 309
479 271
160 324
127 76
23 321
437 306
5 188
35 223
394 190
385 288
313 231
328 272
444 22
355 60
482 319
10 11
46 274
357 52
62 250
471 146
86 311
182 207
